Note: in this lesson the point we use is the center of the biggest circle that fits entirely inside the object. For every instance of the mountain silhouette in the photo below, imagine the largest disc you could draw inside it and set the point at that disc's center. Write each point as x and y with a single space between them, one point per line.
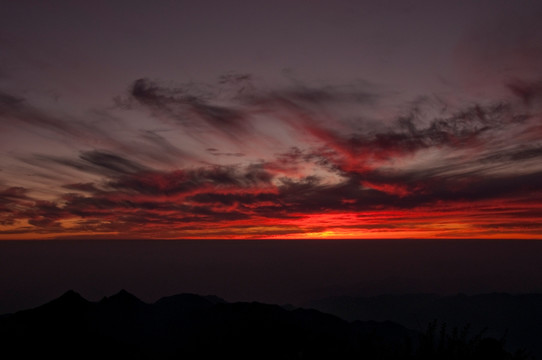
516 318
189 326
122 298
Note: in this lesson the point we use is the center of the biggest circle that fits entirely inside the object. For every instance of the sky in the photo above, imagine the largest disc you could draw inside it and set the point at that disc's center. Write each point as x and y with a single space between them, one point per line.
270 119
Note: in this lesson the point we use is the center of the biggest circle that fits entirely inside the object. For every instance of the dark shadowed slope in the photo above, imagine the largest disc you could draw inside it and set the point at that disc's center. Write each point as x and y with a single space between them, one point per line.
516 318
192 326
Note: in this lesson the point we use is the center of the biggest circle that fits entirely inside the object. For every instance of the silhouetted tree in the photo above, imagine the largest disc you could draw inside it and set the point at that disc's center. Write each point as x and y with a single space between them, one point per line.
457 344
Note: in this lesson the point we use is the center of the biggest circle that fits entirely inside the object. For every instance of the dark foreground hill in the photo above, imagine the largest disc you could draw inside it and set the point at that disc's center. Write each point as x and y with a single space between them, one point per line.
191 326
517 318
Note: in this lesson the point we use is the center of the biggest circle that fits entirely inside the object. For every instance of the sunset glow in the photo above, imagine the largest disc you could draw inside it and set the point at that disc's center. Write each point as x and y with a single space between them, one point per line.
388 149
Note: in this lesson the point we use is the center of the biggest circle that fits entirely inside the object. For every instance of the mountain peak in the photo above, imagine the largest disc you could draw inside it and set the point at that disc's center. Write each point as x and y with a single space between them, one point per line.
124 293
123 297
71 294
68 300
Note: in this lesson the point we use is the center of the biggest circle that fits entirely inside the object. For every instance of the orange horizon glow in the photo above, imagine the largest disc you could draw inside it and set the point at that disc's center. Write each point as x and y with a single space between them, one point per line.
275 166
350 225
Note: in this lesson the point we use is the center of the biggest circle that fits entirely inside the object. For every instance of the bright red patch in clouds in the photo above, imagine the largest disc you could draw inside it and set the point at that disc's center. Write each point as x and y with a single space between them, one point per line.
283 163
354 119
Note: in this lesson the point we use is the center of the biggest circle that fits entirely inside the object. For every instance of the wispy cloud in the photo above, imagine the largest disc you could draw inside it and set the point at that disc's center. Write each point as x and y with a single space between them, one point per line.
431 169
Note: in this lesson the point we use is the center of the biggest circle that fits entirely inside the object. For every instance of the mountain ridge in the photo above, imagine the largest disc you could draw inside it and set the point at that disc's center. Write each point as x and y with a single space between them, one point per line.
194 326
515 317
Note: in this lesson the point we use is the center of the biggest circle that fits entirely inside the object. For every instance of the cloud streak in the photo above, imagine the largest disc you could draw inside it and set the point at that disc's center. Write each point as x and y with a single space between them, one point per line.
237 160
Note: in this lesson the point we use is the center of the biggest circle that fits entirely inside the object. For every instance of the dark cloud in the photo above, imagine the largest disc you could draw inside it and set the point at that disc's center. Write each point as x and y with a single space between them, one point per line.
99 162
9 103
18 112
306 96
15 109
294 197
375 190
85 187
528 92
12 200
231 106
96 130
162 151
346 168
178 182
216 152
130 191
519 153
44 214
233 198
187 107
101 206
412 133
13 193
136 213
240 80
121 204
147 92
111 162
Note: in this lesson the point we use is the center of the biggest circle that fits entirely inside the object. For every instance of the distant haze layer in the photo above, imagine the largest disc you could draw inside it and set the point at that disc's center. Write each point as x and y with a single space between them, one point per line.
287 271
